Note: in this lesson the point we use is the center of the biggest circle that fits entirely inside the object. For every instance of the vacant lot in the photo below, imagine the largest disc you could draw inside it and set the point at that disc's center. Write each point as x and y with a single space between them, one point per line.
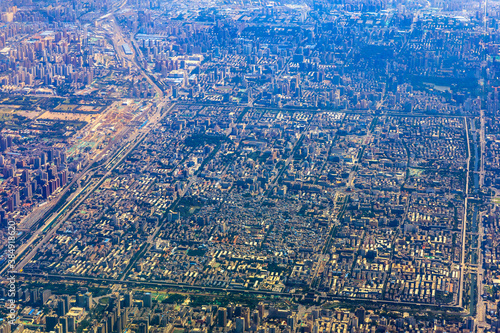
66 116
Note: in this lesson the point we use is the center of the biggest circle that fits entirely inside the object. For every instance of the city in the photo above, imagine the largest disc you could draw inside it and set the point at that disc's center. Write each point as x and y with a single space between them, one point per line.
269 167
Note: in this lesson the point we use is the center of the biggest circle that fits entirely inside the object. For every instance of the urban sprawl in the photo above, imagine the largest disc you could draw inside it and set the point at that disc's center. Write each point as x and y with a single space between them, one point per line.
249 166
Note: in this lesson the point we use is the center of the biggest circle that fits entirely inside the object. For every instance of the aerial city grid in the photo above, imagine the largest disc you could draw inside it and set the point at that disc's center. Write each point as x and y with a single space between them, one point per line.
249 166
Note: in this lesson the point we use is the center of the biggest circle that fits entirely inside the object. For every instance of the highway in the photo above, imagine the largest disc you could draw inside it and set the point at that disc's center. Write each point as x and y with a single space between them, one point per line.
464 220
229 290
118 38
355 163
482 135
118 41
481 306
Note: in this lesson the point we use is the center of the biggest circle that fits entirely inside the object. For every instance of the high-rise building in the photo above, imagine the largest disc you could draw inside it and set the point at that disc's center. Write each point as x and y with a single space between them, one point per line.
64 324
360 313
240 325
46 295
127 301
290 321
148 300
246 314
256 318
34 296
115 302
58 328
222 317
110 322
3 144
88 301
274 329
25 175
10 204
50 323
118 326
143 327
80 300
260 308
43 158
230 311
61 308
71 324
67 302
